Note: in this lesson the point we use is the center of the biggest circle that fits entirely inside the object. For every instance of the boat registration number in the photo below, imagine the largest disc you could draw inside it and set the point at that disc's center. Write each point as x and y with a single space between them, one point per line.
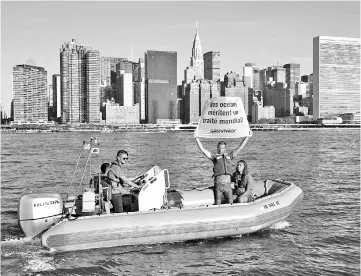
270 205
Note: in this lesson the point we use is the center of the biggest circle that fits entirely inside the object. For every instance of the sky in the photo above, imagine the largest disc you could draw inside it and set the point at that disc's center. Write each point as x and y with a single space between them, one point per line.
263 32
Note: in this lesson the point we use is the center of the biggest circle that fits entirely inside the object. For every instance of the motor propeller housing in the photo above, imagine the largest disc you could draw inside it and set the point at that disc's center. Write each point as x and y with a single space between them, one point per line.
38 212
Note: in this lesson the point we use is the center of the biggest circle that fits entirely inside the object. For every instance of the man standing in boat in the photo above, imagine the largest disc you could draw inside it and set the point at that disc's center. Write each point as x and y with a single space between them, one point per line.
118 180
222 170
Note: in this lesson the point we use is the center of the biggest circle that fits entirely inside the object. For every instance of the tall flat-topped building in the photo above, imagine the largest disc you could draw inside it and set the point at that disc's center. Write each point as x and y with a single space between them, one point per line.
336 76
212 66
161 85
30 90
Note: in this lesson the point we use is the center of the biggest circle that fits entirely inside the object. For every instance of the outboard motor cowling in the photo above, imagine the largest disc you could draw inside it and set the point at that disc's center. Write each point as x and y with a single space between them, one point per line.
38 212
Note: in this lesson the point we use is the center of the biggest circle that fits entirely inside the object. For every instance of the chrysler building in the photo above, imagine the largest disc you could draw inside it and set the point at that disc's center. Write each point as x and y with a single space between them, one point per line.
196 69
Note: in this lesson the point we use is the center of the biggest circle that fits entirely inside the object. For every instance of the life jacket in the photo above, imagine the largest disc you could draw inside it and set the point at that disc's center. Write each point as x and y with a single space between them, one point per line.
119 179
222 165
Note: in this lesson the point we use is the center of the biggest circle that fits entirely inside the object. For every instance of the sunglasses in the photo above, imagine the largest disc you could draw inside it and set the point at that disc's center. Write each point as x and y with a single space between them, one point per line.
126 158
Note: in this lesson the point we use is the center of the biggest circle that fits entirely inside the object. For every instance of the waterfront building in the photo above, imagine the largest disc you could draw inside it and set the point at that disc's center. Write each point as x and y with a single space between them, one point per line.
30 93
4 117
357 118
336 76
107 67
92 88
212 66
50 102
191 103
12 110
308 102
196 94
161 85
56 96
350 118
80 83
116 114
301 89
259 112
302 109
277 95
124 94
139 89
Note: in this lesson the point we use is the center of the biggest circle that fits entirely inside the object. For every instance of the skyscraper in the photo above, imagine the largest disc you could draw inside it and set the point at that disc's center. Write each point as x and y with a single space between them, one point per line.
195 71
336 76
80 83
161 85
197 57
139 89
293 75
212 66
92 73
56 96
30 93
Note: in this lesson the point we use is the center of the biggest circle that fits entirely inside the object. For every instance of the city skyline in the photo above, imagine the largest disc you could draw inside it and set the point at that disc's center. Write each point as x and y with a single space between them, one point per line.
241 35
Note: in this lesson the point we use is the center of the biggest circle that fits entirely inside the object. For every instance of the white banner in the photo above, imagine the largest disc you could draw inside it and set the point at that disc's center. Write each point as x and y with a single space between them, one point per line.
223 117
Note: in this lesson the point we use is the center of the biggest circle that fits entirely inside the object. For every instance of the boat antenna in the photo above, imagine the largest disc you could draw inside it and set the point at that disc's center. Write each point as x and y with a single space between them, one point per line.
76 168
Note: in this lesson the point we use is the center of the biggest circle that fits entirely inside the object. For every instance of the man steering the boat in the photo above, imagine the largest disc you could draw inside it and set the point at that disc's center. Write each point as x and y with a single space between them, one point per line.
119 180
222 170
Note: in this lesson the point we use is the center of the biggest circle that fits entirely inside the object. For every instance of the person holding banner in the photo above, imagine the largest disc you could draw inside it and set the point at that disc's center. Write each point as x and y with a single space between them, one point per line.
222 170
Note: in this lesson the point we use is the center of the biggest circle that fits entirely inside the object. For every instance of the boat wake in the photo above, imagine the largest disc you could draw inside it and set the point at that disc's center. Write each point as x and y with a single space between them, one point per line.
29 250
280 225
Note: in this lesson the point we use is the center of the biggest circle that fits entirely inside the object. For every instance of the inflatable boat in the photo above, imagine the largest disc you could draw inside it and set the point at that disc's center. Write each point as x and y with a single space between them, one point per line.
155 213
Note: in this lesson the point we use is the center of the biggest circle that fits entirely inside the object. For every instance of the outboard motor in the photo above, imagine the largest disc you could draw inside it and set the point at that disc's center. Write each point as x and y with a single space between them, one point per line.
38 212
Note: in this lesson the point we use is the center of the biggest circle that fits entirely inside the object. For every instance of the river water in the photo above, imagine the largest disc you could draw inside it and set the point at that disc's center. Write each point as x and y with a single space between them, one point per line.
321 237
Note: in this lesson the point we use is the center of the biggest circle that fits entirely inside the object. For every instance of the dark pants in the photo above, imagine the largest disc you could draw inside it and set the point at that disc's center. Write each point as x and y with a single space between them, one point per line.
222 189
117 203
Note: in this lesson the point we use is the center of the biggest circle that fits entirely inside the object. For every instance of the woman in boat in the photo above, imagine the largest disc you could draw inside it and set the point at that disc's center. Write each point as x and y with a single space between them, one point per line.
243 183
222 170
245 187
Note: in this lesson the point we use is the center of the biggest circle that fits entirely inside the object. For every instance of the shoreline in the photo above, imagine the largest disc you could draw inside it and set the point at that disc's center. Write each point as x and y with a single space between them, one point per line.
163 129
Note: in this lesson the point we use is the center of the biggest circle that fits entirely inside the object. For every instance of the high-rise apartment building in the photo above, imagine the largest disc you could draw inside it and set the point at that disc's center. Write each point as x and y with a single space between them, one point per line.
92 73
80 83
30 93
56 96
212 66
336 76
161 85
